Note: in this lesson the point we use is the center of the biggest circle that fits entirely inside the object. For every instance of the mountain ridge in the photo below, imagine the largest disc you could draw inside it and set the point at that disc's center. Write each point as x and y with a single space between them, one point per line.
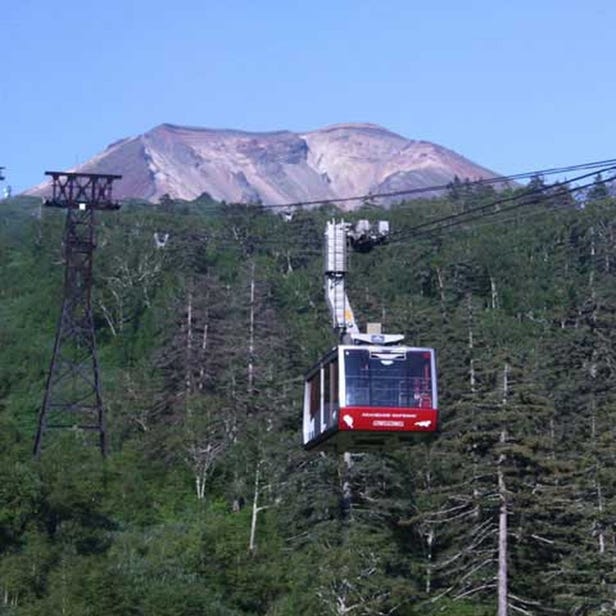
274 167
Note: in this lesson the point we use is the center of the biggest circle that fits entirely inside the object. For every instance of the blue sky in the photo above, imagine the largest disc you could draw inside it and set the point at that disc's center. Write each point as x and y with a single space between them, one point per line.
514 86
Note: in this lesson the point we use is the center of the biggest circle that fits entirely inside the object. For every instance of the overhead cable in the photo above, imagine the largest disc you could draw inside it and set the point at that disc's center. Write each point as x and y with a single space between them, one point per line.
503 179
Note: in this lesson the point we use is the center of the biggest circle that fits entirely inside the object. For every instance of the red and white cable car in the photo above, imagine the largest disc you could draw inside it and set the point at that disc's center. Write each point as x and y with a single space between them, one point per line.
370 392
363 398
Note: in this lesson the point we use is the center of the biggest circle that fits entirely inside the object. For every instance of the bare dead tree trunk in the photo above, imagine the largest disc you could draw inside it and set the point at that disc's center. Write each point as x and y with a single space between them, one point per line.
202 456
189 336
204 342
471 343
344 470
493 293
593 255
429 542
108 318
502 517
441 290
251 336
430 532
502 537
255 508
600 506
598 486
592 371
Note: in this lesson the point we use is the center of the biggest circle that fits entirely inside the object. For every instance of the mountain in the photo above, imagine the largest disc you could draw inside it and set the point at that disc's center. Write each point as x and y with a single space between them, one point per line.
274 167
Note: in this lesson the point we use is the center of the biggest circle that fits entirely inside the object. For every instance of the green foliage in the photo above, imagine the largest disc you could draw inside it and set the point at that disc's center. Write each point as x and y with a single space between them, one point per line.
208 505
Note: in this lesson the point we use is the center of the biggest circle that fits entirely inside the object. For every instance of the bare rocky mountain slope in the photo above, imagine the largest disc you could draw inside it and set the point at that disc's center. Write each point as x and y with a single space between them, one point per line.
275 167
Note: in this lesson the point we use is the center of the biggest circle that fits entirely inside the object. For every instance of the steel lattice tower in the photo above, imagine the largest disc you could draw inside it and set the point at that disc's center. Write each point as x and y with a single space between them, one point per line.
73 394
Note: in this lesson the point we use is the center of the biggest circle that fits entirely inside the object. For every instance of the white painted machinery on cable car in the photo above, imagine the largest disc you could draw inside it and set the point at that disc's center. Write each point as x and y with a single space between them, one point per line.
369 392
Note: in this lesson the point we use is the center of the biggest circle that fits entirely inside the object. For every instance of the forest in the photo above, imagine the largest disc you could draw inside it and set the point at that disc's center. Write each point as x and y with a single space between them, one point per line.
207 503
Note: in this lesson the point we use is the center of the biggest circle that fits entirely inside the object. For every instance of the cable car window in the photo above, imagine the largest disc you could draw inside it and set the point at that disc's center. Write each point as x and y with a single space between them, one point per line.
327 396
388 378
357 375
315 396
334 373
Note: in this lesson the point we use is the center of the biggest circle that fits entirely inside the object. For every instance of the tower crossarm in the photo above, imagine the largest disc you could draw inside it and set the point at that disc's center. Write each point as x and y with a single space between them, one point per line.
82 190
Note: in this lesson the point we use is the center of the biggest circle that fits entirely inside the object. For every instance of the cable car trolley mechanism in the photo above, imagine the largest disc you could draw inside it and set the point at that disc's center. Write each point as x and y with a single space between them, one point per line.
370 392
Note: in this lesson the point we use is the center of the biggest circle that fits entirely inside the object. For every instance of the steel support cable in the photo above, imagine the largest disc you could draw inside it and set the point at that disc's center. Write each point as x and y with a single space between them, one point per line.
552 191
542 190
440 187
462 217
454 224
400 236
566 244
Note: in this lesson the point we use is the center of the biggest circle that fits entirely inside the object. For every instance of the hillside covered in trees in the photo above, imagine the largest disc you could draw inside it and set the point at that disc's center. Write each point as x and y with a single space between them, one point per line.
207 503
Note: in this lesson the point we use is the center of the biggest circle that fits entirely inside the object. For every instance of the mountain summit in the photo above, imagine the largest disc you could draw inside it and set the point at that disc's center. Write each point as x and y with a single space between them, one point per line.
344 160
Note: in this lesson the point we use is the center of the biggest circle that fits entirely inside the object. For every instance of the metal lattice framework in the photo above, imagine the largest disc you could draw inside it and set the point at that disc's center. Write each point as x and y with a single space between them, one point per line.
73 398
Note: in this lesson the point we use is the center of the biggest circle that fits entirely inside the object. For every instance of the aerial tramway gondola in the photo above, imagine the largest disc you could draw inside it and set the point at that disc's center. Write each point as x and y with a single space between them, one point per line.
368 393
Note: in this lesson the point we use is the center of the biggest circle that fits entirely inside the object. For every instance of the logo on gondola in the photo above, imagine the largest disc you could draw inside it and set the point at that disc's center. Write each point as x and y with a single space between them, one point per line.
424 424
348 420
387 423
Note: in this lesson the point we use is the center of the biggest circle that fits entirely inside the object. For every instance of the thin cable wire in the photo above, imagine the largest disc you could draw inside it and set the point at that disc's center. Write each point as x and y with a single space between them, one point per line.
464 217
503 179
451 221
